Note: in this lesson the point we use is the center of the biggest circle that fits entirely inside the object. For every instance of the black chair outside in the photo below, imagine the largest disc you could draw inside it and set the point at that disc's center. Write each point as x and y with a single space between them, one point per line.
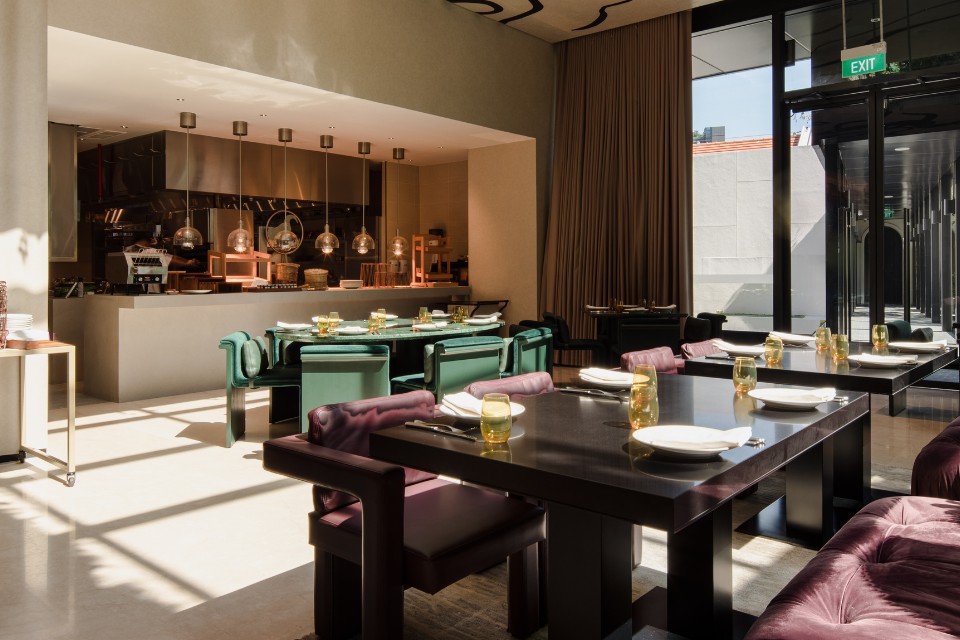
562 341
716 323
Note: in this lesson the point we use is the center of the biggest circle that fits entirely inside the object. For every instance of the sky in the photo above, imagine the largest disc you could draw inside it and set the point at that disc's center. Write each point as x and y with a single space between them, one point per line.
741 101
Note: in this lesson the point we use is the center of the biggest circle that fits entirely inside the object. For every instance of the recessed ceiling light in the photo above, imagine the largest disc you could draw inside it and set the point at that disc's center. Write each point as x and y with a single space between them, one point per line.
179 99
263 115
439 147
123 126
901 148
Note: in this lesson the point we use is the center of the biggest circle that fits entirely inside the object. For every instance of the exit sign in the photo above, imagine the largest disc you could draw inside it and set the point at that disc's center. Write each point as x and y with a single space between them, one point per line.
858 61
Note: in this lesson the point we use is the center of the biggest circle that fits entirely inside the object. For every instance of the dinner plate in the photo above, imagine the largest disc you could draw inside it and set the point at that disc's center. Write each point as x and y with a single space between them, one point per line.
793 339
297 326
429 326
919 347
196 292
515 410
606 384
351 330
439 314
480 321
668 440
793 399
881 362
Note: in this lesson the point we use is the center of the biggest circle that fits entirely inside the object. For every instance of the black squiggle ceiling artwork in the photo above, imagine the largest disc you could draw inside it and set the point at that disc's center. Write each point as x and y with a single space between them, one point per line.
557 20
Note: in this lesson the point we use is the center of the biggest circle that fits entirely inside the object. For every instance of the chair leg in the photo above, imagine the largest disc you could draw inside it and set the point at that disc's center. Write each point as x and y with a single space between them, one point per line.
236 413
523 610
336 597
284 404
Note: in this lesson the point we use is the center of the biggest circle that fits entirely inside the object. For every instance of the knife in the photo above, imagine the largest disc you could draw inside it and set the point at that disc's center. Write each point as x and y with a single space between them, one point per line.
596 393
436 429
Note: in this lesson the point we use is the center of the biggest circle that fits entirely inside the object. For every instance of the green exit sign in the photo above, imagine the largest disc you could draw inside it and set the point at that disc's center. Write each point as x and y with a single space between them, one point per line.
858 61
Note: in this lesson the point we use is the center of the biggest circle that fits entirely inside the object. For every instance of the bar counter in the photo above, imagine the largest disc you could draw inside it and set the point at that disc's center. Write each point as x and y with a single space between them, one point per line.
150 346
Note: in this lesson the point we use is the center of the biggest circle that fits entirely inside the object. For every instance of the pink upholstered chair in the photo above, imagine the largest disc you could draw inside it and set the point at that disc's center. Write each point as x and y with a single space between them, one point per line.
698 349
936 471
660 357
379 528
520 386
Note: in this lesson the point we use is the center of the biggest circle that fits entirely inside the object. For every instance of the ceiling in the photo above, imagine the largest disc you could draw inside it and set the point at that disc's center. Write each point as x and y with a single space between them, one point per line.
119 91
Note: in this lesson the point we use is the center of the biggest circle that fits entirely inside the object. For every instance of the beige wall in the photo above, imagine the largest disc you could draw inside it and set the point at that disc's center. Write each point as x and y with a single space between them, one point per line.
407 217
24 247
443 204
501 195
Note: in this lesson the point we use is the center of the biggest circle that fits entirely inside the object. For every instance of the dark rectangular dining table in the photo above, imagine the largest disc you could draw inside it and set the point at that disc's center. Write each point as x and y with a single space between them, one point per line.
806 366
576 454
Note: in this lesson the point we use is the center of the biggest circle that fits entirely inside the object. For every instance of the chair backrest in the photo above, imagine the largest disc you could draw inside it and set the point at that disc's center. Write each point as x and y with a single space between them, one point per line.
697 329
560 328
519 386
530 350
340 373
898 330
698 349
246 358
346 426
661 358
450 365
716 323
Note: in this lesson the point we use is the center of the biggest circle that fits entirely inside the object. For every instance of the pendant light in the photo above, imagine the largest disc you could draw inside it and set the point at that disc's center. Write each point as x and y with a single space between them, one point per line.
363 242
399 244
186 236
239 239
326 241
285 240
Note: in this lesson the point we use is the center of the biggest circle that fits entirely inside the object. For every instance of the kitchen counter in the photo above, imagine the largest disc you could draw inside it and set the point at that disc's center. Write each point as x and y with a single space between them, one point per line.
149 346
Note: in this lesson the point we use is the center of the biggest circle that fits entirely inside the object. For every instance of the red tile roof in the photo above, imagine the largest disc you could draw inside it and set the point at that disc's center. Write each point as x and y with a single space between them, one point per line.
739 145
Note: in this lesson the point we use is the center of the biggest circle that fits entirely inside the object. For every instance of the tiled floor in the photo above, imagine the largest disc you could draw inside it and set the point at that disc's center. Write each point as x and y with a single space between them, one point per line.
167 534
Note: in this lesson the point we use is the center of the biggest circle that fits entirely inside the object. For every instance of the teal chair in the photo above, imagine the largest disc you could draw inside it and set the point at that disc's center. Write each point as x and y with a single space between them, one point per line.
528 351
248 367
450 365
335 373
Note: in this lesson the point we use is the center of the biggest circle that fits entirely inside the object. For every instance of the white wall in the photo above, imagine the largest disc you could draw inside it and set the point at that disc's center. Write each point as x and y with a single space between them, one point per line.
733 237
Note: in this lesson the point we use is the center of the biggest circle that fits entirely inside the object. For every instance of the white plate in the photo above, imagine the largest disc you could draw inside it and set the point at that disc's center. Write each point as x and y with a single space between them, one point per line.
196 292
655 438
744 351
480 321
881 362
296 326
441 314
390 316
791 399
515 410
351 330
429 326
606 384
793 339
919 347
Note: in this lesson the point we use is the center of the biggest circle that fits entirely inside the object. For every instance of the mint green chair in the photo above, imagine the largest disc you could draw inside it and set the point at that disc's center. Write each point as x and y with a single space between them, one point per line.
450 365
528 351
248 367
335 373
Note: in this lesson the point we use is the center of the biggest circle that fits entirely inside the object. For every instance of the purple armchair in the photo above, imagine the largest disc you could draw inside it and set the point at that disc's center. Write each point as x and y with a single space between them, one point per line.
660 357
936 471
520 386
379 528
698 349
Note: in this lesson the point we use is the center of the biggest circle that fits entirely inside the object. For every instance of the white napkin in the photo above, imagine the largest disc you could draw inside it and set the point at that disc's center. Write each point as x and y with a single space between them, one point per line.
605 375
723 345
437 313
488 316
792 337
873 358
591 307
706 439
350 330
478 320
825 394
462 404
933 345
294 325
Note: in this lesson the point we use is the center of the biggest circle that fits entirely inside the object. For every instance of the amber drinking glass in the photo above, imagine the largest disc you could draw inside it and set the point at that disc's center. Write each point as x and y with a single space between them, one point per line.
423 316
495 418
744 374
773 350
333 319
644 402
823 338
840 347
879 336
322 323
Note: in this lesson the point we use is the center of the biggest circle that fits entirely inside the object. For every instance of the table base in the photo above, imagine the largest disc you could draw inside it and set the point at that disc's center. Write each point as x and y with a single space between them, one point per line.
650 619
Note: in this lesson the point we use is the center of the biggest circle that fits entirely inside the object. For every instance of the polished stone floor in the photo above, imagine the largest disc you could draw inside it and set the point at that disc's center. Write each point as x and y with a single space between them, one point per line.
167 534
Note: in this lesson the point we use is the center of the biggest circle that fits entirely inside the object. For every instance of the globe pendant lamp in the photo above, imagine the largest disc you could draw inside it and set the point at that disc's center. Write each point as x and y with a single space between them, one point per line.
399 244
186 236
363 242
239 239
326 241
285 241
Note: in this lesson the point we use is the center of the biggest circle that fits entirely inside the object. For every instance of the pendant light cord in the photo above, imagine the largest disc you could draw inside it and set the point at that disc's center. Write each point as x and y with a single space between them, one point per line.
188 179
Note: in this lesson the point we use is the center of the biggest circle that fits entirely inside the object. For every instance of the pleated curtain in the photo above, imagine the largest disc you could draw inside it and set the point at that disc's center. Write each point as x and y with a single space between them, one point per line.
620 221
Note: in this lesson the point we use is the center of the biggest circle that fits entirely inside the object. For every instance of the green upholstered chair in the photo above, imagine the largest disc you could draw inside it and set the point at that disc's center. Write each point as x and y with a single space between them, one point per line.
898 330
248 367
528 351
450 365
334 373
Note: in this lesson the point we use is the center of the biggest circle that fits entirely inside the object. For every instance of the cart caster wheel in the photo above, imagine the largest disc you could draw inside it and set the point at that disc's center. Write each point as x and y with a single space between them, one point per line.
71 479
21 456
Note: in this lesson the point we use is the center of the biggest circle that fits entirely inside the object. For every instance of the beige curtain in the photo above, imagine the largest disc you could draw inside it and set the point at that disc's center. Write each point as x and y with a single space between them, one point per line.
620 208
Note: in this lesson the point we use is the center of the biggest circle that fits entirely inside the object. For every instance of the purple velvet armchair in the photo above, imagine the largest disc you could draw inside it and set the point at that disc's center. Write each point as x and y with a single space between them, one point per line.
660 357
379 528
519 386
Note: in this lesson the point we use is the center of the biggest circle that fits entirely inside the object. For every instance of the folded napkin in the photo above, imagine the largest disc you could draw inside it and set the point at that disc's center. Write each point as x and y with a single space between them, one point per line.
462 404
703 439
824 394
351 329
792 337
480 320
671 307
873 358
605 375
439 323
485 316
933 345
591 307
723 345
437 313
294 325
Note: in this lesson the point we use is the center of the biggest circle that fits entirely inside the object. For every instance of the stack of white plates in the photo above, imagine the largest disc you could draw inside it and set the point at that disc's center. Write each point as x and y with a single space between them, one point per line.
17 321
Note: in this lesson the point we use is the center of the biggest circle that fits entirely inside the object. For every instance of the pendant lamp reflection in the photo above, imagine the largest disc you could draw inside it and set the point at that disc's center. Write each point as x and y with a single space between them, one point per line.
187 237
363 242
283 240
239 239
326 241
399 244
